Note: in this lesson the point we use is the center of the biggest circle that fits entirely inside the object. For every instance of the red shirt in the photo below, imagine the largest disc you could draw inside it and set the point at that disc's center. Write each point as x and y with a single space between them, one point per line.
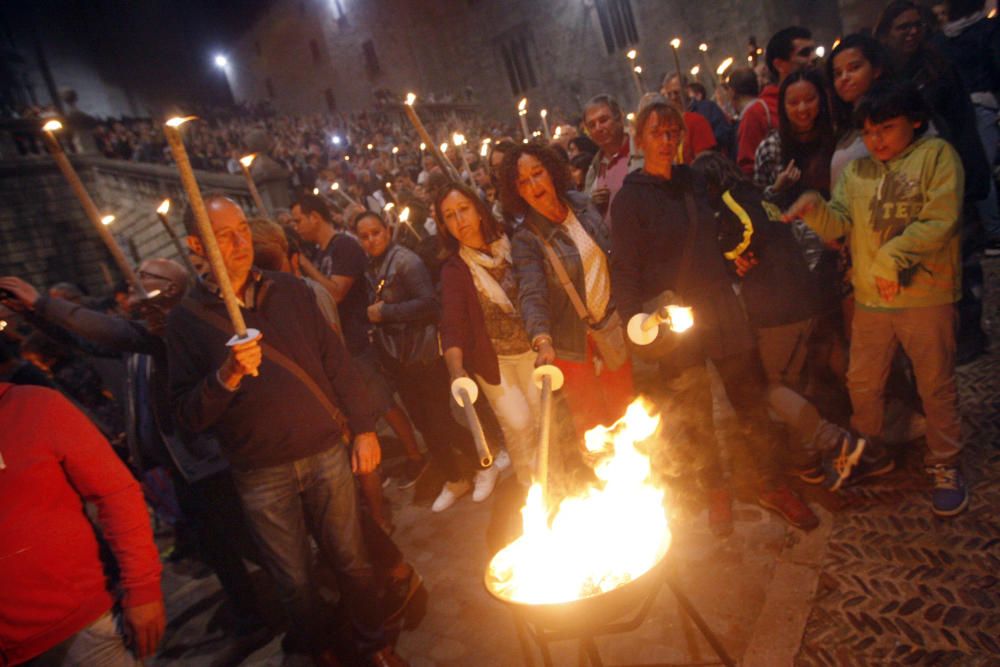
699 136
757 120
52 580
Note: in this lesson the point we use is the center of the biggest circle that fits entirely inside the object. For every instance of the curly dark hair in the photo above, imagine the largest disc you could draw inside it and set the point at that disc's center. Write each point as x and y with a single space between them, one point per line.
490 227
553 163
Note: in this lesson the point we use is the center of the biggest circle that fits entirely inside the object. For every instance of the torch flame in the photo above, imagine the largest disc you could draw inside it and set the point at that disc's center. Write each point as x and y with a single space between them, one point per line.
631 55
423 146
638 69
523 104
404 215
410 99
444 147
315 191
335 186
52 126
388 207
588 548
457 139
164 207
177 121
681 318
695 70
395 150
543 113
247 160
107 220
675 42
703 47
724 65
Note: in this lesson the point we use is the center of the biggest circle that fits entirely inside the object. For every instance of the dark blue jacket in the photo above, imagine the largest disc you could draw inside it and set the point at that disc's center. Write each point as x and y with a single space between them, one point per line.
545 307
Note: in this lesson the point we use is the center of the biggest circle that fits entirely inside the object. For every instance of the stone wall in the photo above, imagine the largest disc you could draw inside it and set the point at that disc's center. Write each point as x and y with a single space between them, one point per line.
46 238
447 46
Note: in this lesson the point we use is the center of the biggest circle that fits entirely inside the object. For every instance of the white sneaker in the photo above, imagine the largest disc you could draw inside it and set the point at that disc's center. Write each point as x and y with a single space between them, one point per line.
484 482
451 492
502 460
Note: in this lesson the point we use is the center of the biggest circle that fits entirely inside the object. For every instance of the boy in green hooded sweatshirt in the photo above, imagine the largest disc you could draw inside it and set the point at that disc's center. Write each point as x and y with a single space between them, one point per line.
900 209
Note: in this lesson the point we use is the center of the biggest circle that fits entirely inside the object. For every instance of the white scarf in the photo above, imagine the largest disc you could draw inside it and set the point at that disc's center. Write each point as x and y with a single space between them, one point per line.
956 27
478 262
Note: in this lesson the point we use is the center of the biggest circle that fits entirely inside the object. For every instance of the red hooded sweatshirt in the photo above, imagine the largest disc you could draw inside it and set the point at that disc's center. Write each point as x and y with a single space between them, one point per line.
52 580
757 120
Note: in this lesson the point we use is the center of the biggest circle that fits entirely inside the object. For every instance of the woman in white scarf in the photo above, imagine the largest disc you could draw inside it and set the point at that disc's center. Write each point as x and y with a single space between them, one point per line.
482 333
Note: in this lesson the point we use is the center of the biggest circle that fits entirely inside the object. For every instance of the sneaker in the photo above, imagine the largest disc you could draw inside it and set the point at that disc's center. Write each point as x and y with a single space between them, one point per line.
412 471
502 460
451 492
720 512
783 502
484 482
950 496
398 594
839 468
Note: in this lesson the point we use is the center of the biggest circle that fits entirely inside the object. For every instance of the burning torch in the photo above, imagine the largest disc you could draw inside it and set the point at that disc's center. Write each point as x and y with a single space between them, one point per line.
644 328
172 130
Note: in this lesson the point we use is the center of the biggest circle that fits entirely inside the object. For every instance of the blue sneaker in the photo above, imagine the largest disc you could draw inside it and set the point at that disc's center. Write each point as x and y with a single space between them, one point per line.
950 497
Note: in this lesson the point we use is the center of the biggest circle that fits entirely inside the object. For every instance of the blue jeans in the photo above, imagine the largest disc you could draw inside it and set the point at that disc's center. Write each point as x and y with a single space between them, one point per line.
316 496
986 119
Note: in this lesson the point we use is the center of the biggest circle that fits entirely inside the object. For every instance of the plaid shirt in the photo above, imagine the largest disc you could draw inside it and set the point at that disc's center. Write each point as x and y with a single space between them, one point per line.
767 164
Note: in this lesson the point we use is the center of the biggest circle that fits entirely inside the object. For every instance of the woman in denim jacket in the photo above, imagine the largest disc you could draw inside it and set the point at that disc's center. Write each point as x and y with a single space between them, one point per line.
535 182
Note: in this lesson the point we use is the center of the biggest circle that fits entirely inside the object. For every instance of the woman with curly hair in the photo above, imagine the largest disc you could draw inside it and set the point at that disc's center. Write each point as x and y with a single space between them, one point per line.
564 234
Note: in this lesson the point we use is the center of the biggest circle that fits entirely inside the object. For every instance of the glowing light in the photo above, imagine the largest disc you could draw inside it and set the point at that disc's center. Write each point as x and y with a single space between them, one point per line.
404 215
247 160
423 146
681 318
395 150
543 113
638 69
458 139
836 43
410 99
536 133
388 207
221 61
630 116
703 47
695 70
724 65
164 207
370 146
315 191
107 220
177 121
749 59
336 139
3 324
52 126
335 187
153 294
631 55
347 158
388 184
820 51
587 548
484 150
557 133
444 147
523 104
992 14
675 42
760 51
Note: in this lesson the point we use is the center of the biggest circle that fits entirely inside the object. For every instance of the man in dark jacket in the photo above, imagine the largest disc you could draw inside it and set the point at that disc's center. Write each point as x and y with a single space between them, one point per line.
282 406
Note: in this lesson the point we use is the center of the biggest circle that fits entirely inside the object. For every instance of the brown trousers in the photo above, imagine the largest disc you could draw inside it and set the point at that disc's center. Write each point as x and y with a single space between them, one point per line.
928 338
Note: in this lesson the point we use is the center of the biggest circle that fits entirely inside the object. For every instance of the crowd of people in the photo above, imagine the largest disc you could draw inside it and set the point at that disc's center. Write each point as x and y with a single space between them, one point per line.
817 218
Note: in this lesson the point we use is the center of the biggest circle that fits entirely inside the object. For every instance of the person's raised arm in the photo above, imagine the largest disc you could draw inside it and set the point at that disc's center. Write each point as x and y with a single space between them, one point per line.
533 293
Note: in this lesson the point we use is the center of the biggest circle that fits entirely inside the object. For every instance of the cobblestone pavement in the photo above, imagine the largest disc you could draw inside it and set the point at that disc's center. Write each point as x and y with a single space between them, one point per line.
880 582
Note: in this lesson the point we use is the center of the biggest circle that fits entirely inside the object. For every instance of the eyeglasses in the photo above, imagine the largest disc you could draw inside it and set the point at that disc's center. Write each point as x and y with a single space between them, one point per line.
806 51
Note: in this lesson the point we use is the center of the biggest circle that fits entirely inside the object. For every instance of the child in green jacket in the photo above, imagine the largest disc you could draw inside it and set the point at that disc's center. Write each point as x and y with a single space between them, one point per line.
900 210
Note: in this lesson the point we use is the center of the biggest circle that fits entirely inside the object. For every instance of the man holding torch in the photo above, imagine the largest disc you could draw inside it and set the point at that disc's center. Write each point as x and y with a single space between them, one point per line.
282 404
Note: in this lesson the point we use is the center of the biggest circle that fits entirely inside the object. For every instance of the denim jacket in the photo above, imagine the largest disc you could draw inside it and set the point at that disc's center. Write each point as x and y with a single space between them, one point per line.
544 304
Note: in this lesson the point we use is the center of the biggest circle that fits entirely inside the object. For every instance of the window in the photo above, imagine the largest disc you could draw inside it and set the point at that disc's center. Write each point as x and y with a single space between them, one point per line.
331 101
314 51
371 60
617 24
270 88
516 47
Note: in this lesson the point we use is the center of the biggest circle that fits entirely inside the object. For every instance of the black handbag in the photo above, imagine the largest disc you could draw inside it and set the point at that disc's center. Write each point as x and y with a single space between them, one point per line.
402 343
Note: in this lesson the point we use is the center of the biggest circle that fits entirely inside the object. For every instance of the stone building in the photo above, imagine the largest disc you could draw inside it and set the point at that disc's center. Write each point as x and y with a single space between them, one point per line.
320 55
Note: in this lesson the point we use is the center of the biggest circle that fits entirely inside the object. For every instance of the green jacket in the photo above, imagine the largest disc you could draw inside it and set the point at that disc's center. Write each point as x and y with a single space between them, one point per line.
902 222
